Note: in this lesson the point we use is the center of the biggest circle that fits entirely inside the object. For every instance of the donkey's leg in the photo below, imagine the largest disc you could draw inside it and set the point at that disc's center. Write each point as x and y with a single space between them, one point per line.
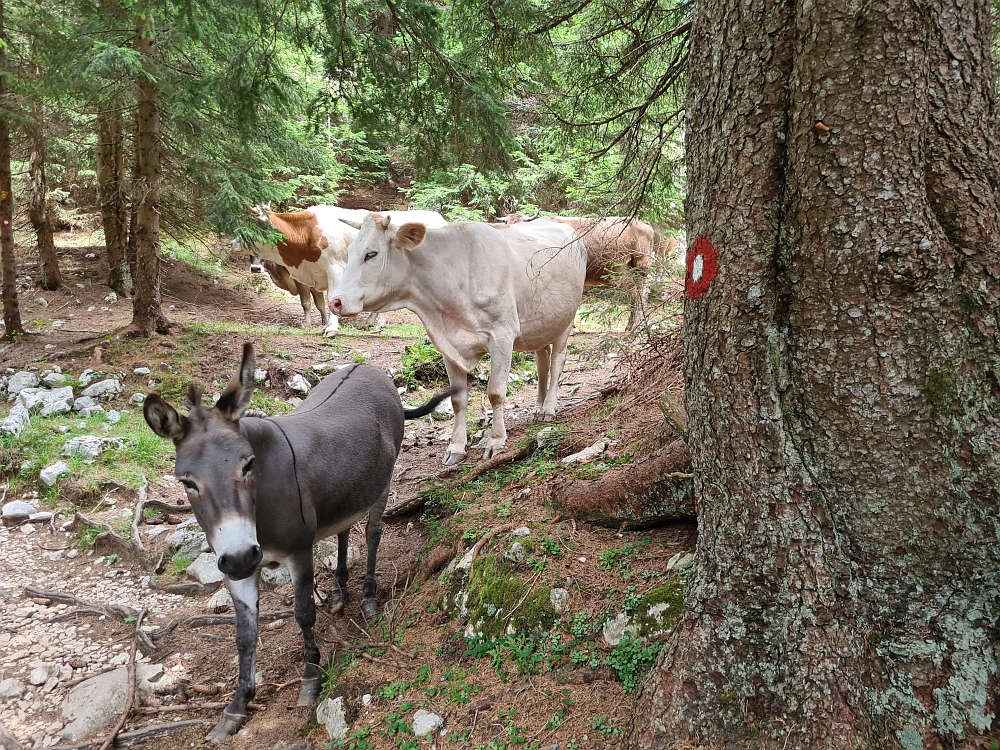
339 594
245 601
373 535
301 567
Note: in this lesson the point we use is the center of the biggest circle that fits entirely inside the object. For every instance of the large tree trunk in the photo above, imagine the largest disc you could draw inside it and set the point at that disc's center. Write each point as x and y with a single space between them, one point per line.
38 212
110 179
11 309
147 314
842 380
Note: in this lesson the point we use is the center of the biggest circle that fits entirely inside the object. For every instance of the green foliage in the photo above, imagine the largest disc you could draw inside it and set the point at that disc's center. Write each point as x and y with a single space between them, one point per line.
631 659
422 364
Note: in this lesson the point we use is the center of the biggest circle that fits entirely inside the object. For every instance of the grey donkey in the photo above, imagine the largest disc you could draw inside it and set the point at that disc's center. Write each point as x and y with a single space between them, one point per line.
266 490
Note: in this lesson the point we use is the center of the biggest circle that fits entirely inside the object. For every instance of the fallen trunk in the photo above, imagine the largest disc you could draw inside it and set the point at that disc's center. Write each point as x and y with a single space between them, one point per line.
656 490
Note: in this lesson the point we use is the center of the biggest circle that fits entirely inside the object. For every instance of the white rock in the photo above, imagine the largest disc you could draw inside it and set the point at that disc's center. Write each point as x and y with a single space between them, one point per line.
299 384
205 569
618 627
366 699
21 380
89 446
52 472
87 375
154 531
424 722
16 420
141 371
517 553
47 402
521 531
221 601
54 380
11 689
189 539
277 577
259 376
84 402
587 454
39 675
103 388
111 298
545 436
679 560
113 417
559 599
330 713
445 408
137 399
17 511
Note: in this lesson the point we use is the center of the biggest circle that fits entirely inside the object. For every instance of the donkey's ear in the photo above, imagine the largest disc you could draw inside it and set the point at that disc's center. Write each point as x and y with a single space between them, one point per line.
163 419
236 398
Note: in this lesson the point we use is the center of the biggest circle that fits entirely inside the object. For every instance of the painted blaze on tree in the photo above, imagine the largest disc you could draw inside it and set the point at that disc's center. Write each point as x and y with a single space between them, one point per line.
843 375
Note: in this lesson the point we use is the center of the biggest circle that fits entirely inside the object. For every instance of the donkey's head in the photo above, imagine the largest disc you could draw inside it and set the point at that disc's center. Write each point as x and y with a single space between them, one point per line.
215 465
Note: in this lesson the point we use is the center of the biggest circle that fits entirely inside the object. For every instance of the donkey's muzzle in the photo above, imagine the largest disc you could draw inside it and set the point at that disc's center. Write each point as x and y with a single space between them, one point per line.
241 565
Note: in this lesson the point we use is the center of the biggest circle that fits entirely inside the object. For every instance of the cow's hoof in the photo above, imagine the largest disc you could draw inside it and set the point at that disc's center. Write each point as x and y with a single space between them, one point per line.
492 451
369 608
453 457
309 691
228 725
331 331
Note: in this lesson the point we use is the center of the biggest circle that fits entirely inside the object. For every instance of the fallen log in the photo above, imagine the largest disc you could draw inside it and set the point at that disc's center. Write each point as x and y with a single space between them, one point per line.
655 490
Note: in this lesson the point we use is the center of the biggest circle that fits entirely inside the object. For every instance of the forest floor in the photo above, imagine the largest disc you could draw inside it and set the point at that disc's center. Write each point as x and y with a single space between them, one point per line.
560 684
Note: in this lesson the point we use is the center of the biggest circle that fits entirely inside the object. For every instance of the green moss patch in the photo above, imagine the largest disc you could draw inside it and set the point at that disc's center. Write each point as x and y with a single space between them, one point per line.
498 602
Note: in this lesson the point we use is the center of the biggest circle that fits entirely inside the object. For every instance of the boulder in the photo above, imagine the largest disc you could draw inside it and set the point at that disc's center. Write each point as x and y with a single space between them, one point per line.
277 577
16 511
330 713
189 539
11 689
95 703
425 722
104 388
16 420
54 380
221 601
46 402
52 472
205 569
89 446
21 380
86 376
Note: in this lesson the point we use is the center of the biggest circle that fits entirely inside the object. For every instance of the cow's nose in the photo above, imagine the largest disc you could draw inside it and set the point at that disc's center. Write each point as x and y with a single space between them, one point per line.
256 269
336 306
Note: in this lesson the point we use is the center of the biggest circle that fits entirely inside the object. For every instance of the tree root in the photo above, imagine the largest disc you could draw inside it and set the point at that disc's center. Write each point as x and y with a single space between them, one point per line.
130 696
138 736
658 489
120 611
207 620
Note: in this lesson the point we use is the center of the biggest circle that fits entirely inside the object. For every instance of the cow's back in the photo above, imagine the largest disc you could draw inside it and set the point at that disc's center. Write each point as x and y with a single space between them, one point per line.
613 243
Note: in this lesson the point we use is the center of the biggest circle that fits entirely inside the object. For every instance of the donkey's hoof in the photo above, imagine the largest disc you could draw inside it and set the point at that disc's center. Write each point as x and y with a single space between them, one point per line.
369 608
228 725
309 691
453 457
337 596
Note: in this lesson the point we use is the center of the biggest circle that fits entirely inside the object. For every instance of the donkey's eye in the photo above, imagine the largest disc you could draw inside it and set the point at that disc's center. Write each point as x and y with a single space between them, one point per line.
369 255
248 467
191 487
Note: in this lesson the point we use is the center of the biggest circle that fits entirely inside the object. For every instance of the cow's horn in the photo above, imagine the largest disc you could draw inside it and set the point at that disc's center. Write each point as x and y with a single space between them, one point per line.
537 214
355 224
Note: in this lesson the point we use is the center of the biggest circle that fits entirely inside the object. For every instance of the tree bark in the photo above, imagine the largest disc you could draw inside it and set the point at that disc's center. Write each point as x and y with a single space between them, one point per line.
111 182
842 370
147 313
11 309
38 210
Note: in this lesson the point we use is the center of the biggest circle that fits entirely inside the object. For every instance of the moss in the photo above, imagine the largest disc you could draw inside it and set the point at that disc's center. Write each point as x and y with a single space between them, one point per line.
660 609
499 602
941 389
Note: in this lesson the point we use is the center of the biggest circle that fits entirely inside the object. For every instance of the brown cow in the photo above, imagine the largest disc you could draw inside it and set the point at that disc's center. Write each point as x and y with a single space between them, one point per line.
283 280
617 248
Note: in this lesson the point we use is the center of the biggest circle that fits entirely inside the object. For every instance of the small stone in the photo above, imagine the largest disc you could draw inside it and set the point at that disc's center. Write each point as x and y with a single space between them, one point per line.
39 676
27 529
205 569
111 298
424 722
113 417
16 511
87 375
330 713
545 436
52 472
21 380
16 420
277 577
259 376
221 601
299 384
104 388
517 553
521 532
54 380
11 689
141 371
43 516
366 699
137 399
559 599
587 454
56 556
89 446
617 628
73 553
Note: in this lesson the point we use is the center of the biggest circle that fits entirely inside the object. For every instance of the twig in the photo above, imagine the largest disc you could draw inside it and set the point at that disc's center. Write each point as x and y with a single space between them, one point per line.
130 697
140 503
206 620
121 611
86 677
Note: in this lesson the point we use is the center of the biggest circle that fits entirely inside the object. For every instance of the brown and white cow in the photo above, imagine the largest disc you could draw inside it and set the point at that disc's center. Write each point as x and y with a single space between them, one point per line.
314 248
618 250
283 280
477 289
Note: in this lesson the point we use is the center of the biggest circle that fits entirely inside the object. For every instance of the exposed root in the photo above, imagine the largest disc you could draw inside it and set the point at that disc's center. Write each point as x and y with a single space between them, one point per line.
130 696
206 620
138 736
119 611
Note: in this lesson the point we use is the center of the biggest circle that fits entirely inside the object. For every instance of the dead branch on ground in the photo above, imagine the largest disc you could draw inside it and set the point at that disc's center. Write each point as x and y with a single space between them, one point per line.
130 696
207 620
120 611
138 736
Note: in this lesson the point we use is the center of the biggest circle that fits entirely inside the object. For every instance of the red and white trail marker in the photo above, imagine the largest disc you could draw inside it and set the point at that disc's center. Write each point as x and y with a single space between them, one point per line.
702 265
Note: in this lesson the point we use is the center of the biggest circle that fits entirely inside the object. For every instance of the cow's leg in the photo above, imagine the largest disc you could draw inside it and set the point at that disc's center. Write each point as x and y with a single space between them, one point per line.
320 301
301 567
559 350
458 380
641 285
339 594
245 597
496 391
305 299
373 535
334 273
542 360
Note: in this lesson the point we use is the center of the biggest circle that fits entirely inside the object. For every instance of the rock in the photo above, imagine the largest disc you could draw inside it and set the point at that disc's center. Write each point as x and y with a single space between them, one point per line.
587 454
141 371
277 577
137 399
559 599
21 380
52 472
16 420
443 411
366 699
617 628
154 531
545 436
94 703
424 722
189 539
89 446
325 554
517 553
16 511
9 741
11 689
259 376
84 402
113 417
104 388
520 532
221 601
47 402
679 560
40 675
353 555
43 516
330 713
299 384
86 376
205 569
54 380
55 556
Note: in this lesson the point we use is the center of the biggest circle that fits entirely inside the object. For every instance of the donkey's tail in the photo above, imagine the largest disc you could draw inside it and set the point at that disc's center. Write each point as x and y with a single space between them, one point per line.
427 408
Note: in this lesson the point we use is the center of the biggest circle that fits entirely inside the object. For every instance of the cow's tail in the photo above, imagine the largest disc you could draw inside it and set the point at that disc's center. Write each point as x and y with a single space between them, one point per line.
427 408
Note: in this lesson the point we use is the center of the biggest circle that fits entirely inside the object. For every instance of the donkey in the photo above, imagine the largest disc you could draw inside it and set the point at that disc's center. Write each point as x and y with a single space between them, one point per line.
266 490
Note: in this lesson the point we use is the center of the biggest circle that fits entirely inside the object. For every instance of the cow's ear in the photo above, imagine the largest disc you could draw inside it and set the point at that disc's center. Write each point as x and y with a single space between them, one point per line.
410 235
163 419
236 398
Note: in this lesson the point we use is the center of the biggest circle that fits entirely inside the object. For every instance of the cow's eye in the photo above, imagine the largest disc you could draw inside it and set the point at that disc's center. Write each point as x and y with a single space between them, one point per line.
369 255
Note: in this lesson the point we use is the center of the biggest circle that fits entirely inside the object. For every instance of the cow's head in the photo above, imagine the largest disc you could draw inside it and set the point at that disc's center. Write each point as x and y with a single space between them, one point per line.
376 265
215 465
